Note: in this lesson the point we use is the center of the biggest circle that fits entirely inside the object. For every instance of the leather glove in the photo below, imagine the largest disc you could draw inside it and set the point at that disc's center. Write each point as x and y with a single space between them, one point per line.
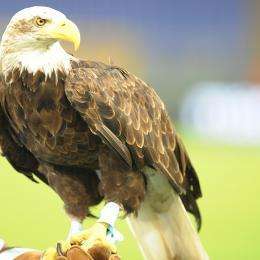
75 253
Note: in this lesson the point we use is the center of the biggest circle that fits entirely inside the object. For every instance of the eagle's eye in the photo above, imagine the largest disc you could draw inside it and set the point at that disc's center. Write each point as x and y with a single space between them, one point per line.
40 21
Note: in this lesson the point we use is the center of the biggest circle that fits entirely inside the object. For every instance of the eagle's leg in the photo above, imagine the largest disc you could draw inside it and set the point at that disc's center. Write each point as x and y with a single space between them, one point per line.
96 236
78 188
75 227
121 187
63 246
120 183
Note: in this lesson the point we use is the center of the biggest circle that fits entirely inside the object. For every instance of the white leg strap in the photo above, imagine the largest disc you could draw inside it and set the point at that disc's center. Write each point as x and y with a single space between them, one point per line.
75 227
109 215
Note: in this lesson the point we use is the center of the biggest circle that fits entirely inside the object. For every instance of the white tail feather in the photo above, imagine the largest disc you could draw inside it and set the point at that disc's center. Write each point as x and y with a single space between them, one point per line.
163 228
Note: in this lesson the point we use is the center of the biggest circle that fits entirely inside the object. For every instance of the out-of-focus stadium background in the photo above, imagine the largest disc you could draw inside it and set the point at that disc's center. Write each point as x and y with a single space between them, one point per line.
203 58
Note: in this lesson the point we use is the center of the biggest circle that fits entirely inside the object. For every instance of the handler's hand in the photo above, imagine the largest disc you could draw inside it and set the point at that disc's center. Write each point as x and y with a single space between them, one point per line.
76 253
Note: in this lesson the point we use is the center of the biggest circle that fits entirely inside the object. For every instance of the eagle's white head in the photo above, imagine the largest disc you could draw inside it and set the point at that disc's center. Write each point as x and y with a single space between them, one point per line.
31 41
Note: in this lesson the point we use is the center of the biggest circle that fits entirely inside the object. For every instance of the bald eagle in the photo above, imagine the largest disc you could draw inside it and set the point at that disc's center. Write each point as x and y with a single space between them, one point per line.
92 132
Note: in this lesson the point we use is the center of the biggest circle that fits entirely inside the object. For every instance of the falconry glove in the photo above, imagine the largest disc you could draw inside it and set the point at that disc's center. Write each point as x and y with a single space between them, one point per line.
75 253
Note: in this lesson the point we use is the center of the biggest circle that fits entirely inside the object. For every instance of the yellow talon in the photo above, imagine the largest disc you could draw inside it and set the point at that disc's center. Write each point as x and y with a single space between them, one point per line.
94 236
50 254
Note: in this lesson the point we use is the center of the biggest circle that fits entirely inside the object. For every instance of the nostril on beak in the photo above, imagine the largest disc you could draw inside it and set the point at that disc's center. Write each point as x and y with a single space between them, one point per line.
63 24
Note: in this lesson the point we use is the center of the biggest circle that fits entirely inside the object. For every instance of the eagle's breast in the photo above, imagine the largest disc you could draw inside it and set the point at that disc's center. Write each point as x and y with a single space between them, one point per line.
43 120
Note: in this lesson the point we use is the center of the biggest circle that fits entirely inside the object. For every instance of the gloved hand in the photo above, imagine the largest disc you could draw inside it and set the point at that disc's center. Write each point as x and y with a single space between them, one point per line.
75 253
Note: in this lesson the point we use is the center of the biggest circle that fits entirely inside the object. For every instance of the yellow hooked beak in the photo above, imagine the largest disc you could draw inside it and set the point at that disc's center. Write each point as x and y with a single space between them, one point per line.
67 31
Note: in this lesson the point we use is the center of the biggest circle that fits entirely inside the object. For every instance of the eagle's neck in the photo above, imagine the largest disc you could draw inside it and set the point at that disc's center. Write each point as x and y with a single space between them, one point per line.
48 60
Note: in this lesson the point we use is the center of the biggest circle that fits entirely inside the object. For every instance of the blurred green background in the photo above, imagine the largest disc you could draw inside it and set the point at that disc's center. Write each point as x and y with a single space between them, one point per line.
32 215
203 59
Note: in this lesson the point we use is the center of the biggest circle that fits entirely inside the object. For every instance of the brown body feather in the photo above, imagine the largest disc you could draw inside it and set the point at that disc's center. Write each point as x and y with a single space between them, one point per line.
98 117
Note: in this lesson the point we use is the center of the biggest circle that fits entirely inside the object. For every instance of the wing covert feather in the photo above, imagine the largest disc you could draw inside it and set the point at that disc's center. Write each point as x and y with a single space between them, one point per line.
128 115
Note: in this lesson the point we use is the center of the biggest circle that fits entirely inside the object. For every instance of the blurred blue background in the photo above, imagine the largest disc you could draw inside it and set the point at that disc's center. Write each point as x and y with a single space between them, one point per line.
203 58
170 43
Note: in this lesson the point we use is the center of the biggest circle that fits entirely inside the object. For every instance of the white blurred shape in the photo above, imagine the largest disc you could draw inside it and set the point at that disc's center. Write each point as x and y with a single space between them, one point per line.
224 112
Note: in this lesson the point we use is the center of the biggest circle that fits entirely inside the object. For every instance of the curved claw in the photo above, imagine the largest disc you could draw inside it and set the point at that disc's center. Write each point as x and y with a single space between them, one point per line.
62 248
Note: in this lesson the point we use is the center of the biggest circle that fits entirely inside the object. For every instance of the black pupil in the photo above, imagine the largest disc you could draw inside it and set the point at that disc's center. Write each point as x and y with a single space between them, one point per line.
41 21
